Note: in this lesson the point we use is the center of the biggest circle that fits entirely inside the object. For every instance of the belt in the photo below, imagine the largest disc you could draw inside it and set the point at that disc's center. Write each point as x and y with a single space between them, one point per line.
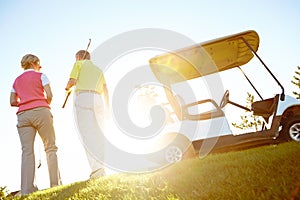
87 91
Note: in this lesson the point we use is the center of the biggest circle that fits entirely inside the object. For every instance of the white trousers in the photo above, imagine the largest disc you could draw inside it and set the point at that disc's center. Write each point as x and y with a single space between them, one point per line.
89 115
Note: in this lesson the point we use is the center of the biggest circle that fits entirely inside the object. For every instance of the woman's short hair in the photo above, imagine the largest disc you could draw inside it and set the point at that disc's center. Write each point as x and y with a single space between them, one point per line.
27 60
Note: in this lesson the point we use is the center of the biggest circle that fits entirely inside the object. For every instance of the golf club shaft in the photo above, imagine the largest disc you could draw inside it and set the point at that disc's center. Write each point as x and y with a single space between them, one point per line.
86 49
66 99
40 155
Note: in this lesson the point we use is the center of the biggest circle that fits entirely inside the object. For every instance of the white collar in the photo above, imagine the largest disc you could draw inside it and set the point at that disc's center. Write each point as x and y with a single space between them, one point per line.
28 70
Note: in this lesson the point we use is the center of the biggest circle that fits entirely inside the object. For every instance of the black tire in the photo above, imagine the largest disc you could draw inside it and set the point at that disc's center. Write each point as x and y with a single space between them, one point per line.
291 129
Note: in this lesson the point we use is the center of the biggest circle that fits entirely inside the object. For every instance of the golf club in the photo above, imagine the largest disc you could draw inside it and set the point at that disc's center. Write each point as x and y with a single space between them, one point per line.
40 156
82 58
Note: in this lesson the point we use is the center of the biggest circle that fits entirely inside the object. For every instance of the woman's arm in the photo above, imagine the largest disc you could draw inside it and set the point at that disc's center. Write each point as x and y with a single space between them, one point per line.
48 91
14 99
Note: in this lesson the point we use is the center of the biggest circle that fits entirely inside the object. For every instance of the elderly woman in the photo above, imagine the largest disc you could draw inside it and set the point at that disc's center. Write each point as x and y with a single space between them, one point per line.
28 94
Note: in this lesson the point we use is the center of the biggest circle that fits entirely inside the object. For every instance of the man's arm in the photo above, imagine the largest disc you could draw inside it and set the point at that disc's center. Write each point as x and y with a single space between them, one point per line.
71 83
106 97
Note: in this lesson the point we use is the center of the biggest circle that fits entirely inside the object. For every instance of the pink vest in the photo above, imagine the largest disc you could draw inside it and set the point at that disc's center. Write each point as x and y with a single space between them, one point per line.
28 86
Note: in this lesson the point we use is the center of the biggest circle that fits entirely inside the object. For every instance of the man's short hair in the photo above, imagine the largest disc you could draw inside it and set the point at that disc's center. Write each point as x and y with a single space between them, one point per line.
83 55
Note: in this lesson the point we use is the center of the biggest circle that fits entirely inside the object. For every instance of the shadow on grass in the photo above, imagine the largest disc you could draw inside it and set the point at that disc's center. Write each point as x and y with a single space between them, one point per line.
58 192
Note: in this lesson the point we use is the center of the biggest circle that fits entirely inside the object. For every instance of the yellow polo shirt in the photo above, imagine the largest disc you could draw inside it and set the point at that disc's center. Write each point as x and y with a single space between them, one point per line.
88 76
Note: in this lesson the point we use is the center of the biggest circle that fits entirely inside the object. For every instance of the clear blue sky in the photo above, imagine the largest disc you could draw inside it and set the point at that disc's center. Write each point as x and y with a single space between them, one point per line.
55 30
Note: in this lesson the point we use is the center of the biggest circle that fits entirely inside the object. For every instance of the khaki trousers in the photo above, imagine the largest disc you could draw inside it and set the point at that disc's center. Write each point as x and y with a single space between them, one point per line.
29 122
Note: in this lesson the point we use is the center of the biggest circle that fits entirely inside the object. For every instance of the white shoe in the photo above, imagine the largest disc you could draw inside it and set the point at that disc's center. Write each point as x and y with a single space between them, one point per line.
98 173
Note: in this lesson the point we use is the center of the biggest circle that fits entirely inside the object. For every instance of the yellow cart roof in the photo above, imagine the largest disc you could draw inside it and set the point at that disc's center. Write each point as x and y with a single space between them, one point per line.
205 58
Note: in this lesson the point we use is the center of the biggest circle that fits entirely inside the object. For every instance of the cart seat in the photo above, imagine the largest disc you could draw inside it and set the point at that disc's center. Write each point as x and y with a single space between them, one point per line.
264 108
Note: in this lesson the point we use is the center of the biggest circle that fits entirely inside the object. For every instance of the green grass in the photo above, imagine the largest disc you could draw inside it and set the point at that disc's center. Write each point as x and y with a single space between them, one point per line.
269 172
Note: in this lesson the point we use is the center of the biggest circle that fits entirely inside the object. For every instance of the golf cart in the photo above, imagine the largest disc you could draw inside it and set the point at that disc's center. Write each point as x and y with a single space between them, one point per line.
201 133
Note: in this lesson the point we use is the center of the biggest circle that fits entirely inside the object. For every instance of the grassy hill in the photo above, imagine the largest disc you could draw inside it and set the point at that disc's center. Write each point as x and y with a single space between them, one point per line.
269 172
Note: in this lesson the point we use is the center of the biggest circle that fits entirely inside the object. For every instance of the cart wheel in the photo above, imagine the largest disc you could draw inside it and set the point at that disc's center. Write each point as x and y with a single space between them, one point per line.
179 151
173 154
291 131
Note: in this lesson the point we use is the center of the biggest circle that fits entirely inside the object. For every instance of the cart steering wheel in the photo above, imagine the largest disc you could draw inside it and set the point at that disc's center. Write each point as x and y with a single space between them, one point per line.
225 99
